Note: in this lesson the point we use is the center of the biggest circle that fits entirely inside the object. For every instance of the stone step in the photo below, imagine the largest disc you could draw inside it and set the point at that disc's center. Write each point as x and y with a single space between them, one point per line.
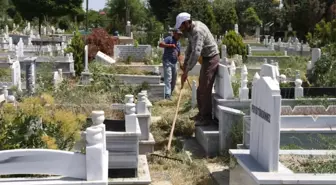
208 138
147 146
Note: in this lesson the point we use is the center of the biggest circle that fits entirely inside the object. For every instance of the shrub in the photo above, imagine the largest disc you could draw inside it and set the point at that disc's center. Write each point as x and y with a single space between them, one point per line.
234 44
100 40
324 74
37 123
77 48
324 34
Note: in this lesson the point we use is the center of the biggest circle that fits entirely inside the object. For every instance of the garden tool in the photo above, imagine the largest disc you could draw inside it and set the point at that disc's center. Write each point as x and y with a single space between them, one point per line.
187 79
172 132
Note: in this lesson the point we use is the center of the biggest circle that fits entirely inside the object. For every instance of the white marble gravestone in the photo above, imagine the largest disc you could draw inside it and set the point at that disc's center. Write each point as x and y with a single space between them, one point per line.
86 59
244 90
105 58
316 55
16 74
265 123
269 70
223 86
224 52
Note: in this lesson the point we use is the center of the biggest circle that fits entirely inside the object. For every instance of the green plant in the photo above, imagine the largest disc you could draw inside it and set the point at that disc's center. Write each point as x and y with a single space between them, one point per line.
290 66
76 47
324 74
234 44
235 87
37 123
324 34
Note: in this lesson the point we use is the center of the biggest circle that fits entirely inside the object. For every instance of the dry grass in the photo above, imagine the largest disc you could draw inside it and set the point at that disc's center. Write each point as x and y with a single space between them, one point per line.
194 173
87 110
310 164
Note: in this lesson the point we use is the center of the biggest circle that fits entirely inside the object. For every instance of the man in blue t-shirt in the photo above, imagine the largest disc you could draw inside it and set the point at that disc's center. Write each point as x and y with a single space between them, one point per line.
171 54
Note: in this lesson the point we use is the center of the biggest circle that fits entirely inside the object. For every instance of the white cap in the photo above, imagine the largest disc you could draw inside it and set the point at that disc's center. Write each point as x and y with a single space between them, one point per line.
180 18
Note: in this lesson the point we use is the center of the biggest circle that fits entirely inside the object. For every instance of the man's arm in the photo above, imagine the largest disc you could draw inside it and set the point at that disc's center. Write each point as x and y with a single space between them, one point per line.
196 50
166 43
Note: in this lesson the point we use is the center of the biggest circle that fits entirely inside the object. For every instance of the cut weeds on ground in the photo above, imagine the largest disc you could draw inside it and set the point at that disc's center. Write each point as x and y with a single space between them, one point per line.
191 172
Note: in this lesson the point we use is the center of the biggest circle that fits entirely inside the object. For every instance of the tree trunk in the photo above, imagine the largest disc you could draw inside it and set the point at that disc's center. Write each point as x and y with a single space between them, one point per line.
40 23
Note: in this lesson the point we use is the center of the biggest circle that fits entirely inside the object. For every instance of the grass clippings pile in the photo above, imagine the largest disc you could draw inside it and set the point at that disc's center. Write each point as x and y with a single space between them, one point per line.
189 173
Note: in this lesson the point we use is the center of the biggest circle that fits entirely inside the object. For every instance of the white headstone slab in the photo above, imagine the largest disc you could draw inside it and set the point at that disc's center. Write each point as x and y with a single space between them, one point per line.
265 123
223 86
224 52
138 53
105 58
316 55
269 70
86 59
236 28
16 74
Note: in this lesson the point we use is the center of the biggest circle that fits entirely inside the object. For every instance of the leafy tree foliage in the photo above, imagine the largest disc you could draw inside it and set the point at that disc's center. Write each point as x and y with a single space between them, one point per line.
250 20
304 14
324 73
100 40
199 9
234 44
76 47
162 9
324 34
42 8
226 15
117 13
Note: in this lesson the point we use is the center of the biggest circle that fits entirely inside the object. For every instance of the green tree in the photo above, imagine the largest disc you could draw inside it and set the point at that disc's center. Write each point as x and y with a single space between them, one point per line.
234 44
76 47
250 21
17 18
226 15
304 14
162 9
42 8
117 13
324 34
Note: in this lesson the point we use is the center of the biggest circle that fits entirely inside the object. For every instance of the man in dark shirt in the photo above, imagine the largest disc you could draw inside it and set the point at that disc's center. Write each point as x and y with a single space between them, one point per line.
171 54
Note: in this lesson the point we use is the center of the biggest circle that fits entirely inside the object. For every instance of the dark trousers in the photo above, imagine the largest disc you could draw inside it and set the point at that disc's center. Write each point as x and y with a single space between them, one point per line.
206 80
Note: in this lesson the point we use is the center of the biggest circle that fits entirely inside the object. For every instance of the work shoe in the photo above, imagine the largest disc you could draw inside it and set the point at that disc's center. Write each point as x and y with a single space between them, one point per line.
168 97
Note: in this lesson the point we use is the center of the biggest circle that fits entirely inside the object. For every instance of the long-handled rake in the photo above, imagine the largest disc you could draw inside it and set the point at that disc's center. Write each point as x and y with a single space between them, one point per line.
172 133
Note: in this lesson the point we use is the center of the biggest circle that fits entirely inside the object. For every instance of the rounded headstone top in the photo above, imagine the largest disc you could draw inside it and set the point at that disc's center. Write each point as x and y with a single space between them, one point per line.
142 97
145 92
11 99
94 135
98 117
129 98
298 82
283 76
265 60
130 108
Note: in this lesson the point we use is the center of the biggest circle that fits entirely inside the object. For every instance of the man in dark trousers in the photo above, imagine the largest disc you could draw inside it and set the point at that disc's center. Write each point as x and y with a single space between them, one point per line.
201 44
170 57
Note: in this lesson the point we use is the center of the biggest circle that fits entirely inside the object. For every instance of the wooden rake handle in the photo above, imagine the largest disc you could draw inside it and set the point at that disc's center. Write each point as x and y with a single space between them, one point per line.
174 122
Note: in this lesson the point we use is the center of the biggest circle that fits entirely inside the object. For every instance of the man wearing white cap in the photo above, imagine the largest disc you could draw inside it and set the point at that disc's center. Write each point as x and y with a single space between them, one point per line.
201 44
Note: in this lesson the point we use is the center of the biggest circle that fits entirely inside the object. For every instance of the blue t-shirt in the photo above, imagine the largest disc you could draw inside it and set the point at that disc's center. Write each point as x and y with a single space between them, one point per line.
170 54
